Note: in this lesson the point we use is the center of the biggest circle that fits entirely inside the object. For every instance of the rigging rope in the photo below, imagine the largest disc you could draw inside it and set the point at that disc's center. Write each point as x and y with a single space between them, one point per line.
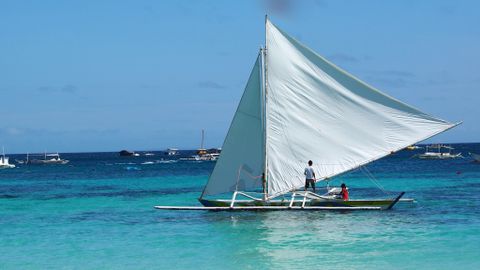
374 180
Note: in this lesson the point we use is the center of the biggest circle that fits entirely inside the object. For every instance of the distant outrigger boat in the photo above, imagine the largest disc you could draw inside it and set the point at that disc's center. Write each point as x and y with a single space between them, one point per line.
439 154
47 159
297 106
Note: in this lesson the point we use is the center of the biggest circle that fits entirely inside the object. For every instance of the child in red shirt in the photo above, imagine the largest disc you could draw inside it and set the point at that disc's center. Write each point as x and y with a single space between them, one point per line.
344 192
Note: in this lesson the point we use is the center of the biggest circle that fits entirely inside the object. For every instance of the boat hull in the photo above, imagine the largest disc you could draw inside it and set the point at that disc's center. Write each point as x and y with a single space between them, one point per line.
384 203
317 204
40 162
6 166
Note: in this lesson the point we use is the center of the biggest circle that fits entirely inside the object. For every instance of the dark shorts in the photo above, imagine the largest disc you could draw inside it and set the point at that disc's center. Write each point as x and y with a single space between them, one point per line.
309 182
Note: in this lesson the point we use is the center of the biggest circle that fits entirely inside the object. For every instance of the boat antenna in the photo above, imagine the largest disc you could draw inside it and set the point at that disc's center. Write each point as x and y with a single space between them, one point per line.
203 138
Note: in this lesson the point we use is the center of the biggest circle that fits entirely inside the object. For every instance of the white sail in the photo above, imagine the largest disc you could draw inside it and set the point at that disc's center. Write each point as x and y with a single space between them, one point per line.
316 111
241 162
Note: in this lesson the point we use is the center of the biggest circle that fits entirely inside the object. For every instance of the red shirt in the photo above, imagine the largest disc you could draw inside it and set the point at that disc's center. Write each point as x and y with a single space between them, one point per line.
345 194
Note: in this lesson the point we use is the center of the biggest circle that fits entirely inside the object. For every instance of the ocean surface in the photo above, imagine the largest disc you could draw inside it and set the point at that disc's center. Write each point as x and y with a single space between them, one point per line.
96 212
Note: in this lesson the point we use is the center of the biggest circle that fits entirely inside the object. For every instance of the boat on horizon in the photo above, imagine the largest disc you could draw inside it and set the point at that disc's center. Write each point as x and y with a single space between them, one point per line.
297 106
53 158
202 154
442 152
126 153
413 147
4 164
171 152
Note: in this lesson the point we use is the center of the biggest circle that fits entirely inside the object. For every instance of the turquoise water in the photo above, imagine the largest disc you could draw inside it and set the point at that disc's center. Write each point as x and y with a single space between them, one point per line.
97 213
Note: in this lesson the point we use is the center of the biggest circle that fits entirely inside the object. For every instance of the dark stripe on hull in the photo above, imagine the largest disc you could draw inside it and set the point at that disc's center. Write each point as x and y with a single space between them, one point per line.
328 203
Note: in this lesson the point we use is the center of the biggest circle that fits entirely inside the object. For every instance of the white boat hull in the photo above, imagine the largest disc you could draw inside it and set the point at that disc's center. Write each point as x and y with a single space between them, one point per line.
439 156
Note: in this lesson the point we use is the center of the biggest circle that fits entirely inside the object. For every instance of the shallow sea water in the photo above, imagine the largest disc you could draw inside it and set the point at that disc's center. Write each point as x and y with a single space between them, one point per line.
97 213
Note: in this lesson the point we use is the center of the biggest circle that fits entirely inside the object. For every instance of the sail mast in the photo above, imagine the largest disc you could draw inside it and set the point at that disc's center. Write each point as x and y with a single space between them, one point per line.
264 101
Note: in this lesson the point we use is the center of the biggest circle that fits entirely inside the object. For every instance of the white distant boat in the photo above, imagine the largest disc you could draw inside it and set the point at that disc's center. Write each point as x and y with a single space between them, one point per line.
298 106
4 164
47 159
172 151
442 152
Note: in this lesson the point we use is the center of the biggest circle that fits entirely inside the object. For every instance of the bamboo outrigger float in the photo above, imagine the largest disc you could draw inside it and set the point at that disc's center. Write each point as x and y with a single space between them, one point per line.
298 106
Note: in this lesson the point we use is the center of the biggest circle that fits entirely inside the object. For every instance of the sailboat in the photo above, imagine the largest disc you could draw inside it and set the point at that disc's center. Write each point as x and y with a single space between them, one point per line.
202 154
297 106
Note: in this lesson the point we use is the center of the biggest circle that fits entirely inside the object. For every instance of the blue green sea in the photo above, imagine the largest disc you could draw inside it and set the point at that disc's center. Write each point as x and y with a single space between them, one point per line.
96 212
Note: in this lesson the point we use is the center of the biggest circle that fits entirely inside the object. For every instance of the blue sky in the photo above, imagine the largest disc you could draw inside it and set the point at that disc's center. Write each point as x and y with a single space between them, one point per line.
108 75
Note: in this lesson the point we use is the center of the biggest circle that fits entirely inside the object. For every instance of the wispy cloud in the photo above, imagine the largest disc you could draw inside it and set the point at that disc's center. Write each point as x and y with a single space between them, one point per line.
343 57
321 3
396 82
211 85
398 73
39 132
392 78
68 88
11 131
447 9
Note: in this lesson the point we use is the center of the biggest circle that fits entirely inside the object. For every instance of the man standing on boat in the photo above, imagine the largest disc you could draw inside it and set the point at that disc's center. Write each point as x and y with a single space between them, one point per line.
309 176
